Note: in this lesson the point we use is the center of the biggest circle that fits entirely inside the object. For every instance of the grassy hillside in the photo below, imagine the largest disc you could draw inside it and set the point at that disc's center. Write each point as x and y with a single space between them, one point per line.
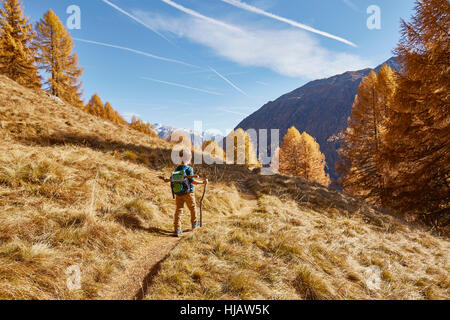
76 190
303 242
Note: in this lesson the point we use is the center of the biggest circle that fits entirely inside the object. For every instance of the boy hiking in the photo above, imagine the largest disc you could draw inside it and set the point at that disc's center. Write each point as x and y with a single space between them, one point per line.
182 185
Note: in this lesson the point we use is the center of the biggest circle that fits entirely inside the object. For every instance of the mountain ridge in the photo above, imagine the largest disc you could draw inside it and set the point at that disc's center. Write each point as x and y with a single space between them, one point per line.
320 107
165 132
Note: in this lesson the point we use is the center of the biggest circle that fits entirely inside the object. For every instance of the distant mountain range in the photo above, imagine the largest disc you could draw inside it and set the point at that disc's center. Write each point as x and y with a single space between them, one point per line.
320 108
165 132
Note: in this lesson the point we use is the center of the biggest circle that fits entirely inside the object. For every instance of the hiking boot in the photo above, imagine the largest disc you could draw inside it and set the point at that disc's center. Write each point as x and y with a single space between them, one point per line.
177 234
195 225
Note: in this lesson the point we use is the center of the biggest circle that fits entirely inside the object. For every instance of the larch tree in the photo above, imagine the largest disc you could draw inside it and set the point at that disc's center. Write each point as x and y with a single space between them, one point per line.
95 105
142 126
112 115
300 156
105 111
213 149
17 54
363 167
419 130
314 161
290 154
240 149
56 58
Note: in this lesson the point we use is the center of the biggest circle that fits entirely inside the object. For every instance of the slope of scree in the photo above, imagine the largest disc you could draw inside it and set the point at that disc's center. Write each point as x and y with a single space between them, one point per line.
78 191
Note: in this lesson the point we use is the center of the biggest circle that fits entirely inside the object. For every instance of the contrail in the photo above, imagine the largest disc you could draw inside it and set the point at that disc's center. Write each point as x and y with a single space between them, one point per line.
183 86
350 4
137 52
229 82
214 21
200 16
232 112
247 7
136 19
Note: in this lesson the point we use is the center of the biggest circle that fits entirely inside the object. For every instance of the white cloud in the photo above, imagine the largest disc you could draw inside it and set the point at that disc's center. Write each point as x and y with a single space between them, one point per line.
289 52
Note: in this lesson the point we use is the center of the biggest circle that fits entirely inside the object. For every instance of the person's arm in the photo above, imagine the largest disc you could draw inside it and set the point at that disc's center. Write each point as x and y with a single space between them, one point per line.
200 182
164 179
190 172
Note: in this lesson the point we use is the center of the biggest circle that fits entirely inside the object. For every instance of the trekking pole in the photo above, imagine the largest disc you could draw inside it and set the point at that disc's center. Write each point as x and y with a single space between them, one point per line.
201 206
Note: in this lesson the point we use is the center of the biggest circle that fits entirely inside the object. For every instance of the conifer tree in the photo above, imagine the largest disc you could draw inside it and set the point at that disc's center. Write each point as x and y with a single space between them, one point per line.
105 111
56 58
95 105
300 156
243 149
362 167
213 149
17 55
418 135
290 155
142 126
315 161
114 116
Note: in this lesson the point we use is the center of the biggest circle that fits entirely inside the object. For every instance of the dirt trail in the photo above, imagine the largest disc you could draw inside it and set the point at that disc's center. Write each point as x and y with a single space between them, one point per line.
135 281
133 284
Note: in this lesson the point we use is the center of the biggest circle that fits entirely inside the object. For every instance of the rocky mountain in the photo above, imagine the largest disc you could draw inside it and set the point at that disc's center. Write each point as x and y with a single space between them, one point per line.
166 131
320 108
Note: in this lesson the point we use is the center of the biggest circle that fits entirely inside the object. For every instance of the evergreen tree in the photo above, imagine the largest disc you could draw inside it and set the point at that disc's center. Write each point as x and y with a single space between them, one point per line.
17 55
55 57
419 128
300 156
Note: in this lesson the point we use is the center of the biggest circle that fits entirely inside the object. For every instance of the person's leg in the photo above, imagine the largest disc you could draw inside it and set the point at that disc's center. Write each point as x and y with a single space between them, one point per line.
179 201
190 201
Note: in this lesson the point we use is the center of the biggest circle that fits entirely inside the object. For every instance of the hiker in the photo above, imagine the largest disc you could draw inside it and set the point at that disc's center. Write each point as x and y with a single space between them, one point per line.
186 195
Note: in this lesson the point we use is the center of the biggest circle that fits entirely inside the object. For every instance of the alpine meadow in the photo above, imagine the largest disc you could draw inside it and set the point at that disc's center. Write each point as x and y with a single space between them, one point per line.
338 190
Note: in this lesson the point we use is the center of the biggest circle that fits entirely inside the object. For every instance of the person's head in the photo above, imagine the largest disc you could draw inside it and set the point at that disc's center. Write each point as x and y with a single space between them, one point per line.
185 156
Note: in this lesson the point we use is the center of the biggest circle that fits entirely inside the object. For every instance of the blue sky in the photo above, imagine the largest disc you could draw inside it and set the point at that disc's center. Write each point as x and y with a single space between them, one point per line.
219 60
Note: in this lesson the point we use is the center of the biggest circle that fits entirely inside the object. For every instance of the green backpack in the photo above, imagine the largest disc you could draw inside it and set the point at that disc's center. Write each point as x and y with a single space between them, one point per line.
179 183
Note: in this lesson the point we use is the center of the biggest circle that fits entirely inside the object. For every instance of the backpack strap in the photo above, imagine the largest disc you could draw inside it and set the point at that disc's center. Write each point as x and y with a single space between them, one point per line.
185 167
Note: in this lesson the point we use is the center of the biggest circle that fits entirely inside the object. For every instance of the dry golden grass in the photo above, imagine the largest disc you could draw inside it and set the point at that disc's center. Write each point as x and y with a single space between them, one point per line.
77 190
282 250
72 193
63 206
